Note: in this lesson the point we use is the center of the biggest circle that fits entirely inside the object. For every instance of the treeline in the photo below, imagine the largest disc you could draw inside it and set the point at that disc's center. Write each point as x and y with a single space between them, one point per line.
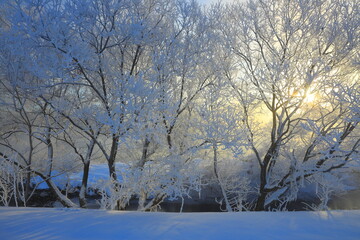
265 93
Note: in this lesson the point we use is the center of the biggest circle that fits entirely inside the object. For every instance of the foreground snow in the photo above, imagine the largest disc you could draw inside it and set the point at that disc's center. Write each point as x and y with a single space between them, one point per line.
42 223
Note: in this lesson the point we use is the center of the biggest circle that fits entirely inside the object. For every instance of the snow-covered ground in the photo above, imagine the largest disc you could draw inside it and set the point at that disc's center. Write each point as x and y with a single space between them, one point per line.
97 172
42 223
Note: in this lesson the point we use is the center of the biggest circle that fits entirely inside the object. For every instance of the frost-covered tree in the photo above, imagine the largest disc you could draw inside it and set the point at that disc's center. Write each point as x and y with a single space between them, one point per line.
182 69
27 137
292 57
157 84
123 72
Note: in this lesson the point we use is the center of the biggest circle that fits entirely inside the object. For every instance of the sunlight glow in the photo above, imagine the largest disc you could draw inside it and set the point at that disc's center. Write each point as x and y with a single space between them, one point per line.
310 98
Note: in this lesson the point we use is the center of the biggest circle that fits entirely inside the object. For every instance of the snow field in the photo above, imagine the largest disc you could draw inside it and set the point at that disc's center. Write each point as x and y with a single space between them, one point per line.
42 223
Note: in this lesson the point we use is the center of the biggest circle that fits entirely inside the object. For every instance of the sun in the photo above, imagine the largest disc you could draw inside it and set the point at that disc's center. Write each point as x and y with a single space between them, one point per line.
310 98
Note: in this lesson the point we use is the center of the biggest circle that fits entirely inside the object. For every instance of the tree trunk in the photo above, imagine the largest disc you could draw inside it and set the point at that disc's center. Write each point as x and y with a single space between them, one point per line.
82 195
169 141
143 160
260 203
112 157
265 169
142 200
28 174
227 203
27 186
66 202
155 202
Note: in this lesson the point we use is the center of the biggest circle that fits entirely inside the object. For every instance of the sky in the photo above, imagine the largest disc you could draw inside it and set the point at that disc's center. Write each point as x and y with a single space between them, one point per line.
213 1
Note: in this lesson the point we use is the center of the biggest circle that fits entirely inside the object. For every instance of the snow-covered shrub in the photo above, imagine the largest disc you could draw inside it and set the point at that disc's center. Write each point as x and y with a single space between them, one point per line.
111 196
12 183
326 187
237 189
171 178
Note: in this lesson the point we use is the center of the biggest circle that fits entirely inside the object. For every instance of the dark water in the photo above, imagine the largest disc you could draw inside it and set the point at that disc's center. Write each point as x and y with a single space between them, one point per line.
192 207
175 206
347 201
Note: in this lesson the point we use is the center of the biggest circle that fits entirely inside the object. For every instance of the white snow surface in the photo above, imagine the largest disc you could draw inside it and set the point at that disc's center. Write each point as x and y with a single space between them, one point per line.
50 223
97 173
